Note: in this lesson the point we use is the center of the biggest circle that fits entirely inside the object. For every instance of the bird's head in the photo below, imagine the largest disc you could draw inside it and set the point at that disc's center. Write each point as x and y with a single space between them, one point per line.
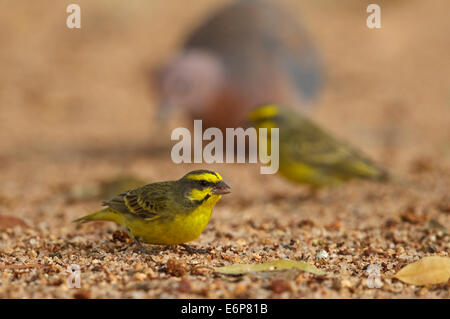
202 185
267 116
190 81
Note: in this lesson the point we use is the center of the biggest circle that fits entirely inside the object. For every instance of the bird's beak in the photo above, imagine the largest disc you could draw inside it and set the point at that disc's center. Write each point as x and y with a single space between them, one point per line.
221 188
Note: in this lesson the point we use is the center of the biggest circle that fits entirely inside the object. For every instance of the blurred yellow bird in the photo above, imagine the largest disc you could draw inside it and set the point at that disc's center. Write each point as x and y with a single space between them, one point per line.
308 154
166 213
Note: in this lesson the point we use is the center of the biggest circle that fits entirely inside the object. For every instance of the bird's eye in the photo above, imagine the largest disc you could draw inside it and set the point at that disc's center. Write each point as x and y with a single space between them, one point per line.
203 183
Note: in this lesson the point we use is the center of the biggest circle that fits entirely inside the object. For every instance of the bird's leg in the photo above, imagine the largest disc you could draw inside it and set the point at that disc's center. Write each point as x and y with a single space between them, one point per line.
193 250
142 249
171 247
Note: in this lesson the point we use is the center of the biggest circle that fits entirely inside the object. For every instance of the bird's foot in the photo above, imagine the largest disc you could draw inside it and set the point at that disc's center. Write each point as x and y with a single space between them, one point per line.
144 250
193 250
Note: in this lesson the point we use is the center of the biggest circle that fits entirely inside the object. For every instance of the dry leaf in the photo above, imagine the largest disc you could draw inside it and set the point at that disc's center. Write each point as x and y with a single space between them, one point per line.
275 265
10 222
426 271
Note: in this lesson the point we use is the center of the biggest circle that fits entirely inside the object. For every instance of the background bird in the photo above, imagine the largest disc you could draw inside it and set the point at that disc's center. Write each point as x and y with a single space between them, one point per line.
309 155
249 53
165 213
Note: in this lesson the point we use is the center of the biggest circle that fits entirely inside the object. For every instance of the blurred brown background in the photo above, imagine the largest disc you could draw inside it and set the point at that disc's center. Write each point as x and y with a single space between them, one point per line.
66 90
76 104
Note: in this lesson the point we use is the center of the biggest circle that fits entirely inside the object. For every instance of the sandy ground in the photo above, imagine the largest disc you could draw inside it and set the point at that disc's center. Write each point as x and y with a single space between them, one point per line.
75 110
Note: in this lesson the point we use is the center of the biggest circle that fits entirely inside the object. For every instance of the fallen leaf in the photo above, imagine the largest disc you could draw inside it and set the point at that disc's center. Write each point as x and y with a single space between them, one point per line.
334 226
410 216
10 221
426 271
275 265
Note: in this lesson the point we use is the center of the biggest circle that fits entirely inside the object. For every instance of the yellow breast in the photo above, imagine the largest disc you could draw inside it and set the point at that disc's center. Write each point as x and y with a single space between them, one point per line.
182 228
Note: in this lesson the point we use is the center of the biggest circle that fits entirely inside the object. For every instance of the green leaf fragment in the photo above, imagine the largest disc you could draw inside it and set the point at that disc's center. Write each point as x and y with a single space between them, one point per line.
275 265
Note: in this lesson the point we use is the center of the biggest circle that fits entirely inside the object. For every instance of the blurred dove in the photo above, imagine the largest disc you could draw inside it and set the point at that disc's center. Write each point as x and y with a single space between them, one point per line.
247 54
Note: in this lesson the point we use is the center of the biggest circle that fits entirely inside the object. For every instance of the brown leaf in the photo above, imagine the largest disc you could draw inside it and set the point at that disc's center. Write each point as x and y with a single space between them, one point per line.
306 223
410 216
426 271
421 165
7 221
336 225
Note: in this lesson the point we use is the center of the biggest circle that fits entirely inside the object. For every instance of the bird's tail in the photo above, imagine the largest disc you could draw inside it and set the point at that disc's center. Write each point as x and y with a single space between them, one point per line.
107 214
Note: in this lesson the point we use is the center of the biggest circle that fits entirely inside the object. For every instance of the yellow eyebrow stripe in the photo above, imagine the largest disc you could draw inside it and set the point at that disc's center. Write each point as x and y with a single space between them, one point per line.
209 177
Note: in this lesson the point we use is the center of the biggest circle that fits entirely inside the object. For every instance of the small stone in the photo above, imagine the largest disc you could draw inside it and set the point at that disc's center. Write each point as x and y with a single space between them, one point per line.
138 267
184 286
300 278
279 286
411 217
240 290
201 270
321 255
306 223
6 249
175 267
334 226
346 283
139 276
120 236
33 242
81 294
336 284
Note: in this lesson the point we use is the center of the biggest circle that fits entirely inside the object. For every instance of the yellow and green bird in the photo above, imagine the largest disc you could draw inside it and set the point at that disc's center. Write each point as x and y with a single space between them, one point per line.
166 213
309 155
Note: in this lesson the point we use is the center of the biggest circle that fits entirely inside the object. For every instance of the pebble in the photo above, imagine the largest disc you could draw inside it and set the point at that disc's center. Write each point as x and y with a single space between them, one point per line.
321 255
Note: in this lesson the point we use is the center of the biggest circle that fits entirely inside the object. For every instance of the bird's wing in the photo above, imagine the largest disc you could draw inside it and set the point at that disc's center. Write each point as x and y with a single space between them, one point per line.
312 146
150 201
